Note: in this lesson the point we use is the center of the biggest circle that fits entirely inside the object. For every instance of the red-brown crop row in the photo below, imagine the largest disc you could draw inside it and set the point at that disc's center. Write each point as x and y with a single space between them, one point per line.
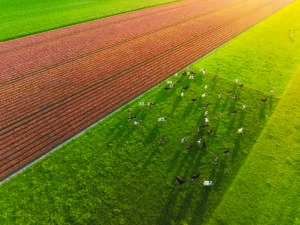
161 69
34 100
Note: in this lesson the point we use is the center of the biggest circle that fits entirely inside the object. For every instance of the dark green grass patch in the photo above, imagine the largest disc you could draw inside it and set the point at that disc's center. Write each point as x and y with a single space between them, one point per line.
118 173
24 17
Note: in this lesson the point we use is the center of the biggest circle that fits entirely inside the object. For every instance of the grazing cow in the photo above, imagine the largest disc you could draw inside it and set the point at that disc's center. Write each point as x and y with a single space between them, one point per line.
207 183
188 73
236 81
129 110
209 132
217 159
137 122
195 176
184 73
264 100
206 105
221 114
182 94
199 141
131 117
186 87
171 85
226 151
241 85
220 95
240 130
205 87
206 120
191 77
176 74
234 112
235 96
167 88
179 180
189 147
169 82
205 113
229 91
198 131
203 95
184 139
179 81
204 126
244 106
151 103
271 92
162 119
193 73
193 99
142 103
204 144
161 139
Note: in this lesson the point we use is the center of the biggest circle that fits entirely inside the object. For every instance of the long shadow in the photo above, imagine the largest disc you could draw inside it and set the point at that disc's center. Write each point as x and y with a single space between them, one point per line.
188 110
262 112
271 103
236 147
153 134
164 94
176 104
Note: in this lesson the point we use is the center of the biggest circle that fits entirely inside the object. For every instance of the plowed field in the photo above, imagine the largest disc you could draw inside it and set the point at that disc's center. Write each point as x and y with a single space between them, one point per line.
54 84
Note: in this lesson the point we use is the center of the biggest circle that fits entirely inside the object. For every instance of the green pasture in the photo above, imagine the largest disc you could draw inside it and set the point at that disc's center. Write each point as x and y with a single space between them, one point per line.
118 173
25 17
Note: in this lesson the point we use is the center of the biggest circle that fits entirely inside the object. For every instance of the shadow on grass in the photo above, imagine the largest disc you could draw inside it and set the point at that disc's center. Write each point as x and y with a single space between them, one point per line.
236 148
262 112
176 104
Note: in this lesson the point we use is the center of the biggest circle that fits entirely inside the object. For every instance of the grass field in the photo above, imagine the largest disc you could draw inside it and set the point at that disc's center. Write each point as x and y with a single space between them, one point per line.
25 17
117 173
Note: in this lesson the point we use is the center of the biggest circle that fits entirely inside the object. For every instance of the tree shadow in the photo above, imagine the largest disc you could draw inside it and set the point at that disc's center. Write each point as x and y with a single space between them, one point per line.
262 112
236 148
176 104
271 103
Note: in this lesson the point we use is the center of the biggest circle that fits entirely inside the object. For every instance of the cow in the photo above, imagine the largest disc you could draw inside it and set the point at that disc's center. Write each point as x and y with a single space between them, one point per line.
182 94
221 114
234 112
142 103
189 147
236 81
206 105
235 96
216 159
198 131
193 73
241 85
179 81
207 183
271 92
220 95
162 119
184 139
204 144
206 112
151 103
226 151
229 91
195 176
161 139
167 88
244 106
264 100
176 74
204 126
240 130
199 141
137 122
179 180
184 73
131 118
209 132
186 87
203 95
206 120
193 99
129 110
205 87
191 77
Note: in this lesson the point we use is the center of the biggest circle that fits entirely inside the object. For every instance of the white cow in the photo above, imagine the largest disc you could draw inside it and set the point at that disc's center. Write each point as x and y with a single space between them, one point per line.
240 130
203 95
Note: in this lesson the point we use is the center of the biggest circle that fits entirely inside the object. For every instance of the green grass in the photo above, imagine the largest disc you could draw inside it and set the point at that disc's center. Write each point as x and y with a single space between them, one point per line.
117 173
25 17
266 189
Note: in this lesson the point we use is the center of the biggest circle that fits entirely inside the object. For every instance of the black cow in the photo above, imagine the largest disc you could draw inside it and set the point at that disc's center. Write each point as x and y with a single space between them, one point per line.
131 117
195 176
235 96
184 73
264 100
217 159
189 147
234 112
193 73
167 88
209 132
151 103
204 126
193 99
186 87
179 180
179 81
226 151
204 144
241 85
229 91
206 105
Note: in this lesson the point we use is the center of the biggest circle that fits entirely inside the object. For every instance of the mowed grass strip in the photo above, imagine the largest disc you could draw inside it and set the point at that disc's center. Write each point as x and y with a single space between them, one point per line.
265 57
25 17
118 173
266 189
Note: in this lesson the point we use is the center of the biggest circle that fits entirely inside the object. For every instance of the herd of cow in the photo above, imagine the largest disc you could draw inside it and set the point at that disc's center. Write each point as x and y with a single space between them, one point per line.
191 75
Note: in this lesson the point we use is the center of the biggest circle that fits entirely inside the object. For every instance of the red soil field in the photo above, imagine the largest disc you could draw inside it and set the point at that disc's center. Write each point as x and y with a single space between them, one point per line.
56 83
